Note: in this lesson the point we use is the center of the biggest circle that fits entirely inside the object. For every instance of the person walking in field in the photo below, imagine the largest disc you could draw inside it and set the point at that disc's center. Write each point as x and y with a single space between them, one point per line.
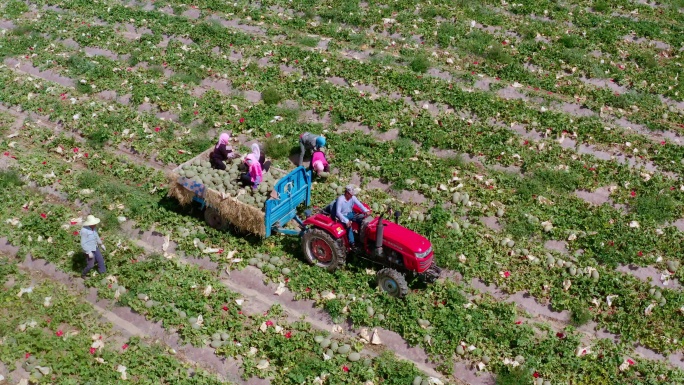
91 245
222 152
309 142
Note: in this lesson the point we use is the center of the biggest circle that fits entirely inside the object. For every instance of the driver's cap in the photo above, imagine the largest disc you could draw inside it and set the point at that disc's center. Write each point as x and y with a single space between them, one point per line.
350 189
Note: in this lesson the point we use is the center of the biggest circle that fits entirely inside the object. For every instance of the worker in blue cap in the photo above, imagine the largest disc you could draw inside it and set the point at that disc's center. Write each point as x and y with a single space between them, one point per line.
309 142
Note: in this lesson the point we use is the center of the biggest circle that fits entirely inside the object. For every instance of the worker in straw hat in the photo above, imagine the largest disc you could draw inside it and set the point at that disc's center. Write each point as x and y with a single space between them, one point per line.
91 245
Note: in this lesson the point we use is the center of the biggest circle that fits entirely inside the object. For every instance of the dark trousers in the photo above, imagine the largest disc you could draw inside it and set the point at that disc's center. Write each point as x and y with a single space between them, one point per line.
246 180
264 164
97 257
302 151
217 164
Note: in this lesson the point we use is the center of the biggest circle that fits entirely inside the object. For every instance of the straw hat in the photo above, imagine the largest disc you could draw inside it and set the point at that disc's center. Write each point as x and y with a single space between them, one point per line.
91 221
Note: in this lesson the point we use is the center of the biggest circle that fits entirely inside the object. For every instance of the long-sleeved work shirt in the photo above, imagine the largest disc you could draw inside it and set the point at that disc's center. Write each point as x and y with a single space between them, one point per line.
309 140
89 239
319 156
345 207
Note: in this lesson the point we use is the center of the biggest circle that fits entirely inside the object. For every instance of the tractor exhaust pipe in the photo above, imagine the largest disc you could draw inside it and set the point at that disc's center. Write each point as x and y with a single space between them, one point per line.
379 235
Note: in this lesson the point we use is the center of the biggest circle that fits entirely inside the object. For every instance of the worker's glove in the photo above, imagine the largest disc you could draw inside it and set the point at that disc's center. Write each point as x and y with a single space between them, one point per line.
89 254
103 247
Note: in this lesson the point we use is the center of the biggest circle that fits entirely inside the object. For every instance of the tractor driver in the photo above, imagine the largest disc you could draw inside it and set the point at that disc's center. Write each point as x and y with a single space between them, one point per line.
343 210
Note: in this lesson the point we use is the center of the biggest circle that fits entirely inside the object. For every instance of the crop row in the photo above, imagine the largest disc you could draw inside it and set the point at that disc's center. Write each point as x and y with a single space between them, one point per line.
57 336
560 301
520 210
421 128
304 278
193 303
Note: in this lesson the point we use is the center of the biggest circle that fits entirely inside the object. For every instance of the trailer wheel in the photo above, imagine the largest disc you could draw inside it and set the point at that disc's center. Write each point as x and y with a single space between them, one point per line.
392 282
214 219
322 250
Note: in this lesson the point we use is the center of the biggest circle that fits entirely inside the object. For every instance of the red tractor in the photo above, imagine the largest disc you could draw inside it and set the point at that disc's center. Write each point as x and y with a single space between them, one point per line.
400 250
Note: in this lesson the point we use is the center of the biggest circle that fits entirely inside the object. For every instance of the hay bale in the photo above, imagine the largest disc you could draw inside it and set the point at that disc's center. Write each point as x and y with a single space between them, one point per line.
183 195
241 215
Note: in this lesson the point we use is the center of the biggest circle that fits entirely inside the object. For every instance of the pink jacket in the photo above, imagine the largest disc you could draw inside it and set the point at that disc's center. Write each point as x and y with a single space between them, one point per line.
319 155
255 169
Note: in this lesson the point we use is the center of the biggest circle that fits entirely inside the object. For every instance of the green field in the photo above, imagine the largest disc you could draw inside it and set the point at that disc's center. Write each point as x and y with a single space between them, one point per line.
536 144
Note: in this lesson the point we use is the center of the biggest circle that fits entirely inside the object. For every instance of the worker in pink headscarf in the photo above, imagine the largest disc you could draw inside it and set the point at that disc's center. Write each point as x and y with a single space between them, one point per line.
254 175
222 152
319 164
256 151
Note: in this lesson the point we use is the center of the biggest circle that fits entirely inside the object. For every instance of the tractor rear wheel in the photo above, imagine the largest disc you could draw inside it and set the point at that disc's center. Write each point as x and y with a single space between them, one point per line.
322 250
214 219
392 282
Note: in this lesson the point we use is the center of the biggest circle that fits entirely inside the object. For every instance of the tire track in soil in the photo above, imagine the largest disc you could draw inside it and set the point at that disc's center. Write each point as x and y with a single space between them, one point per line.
129 323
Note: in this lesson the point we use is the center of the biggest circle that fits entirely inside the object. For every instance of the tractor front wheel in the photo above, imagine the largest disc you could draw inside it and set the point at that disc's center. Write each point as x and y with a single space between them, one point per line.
392 282
214 219
322 250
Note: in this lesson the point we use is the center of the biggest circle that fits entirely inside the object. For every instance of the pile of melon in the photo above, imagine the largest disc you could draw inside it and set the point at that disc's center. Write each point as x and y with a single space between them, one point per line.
227 181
